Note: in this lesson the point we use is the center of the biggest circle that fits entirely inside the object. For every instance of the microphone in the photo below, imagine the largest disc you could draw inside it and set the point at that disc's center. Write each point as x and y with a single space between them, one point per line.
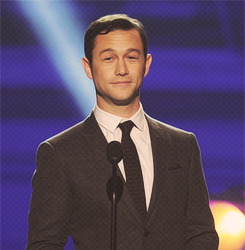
115 184
114 152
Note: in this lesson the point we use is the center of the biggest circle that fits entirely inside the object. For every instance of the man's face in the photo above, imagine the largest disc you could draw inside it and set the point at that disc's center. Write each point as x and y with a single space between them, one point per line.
118 67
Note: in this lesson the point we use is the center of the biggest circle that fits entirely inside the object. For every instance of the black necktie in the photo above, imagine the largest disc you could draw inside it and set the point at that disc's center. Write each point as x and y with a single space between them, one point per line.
134 179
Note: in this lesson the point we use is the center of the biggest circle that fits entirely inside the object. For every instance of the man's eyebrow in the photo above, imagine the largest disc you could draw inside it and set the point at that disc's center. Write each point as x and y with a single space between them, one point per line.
106 50
112 50
133 50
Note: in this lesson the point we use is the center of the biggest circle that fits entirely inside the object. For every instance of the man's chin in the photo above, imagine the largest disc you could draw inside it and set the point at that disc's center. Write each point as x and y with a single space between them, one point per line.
120 101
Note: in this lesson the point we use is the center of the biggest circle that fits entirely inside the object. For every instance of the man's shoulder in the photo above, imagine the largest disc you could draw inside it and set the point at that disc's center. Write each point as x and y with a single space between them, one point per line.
71 134
180 141
71 141
162 128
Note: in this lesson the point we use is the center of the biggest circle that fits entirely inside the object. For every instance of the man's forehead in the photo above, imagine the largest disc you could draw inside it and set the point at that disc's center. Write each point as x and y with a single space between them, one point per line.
119 38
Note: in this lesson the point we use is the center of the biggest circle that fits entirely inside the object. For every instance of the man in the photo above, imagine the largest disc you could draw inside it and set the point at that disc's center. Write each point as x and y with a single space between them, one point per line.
164 205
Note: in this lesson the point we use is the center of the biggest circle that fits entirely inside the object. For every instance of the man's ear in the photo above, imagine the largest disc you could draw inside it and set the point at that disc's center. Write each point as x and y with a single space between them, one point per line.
147 64
87 67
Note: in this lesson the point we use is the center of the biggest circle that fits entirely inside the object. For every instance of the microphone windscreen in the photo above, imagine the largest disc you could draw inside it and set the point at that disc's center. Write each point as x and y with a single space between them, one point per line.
114 152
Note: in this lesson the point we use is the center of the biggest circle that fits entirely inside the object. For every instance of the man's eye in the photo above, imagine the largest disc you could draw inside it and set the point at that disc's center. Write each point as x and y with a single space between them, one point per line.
132 57
108 59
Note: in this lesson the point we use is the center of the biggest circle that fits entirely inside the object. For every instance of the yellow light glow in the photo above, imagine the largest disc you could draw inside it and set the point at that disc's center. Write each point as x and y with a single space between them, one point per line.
230 225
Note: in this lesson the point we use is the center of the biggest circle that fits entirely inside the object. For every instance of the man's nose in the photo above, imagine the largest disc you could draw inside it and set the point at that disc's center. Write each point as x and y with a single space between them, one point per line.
121 68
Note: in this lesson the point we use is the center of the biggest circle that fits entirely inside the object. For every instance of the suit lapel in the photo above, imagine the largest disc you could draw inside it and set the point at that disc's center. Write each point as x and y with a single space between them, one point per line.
162 157
96 143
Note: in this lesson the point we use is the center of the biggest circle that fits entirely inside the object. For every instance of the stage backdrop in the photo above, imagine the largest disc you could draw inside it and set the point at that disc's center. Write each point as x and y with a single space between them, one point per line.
195 83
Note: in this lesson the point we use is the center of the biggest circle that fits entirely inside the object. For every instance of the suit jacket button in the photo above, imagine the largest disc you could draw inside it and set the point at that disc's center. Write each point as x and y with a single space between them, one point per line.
146 232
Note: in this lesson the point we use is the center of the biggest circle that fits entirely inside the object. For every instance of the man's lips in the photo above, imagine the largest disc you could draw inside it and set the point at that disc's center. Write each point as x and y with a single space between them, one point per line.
121 82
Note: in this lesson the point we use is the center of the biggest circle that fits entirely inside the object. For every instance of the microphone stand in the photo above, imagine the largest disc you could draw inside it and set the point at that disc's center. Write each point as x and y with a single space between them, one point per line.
114 190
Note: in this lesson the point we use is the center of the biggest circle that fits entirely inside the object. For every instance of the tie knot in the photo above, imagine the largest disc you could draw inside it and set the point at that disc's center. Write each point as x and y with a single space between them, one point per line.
126 127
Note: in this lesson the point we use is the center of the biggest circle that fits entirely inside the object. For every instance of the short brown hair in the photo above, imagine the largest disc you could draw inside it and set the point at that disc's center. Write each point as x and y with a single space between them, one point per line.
109 23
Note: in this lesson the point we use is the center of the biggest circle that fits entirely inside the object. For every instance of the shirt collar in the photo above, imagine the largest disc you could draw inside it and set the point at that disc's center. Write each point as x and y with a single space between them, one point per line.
110 121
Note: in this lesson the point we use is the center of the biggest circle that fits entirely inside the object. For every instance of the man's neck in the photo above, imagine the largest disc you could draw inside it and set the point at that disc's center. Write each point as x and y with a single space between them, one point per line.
123 111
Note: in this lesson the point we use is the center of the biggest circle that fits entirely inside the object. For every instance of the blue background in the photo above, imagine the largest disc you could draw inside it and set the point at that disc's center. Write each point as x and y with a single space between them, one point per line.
195 83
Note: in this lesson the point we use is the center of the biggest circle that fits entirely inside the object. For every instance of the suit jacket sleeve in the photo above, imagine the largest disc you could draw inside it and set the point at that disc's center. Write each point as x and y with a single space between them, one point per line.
50 203
200 230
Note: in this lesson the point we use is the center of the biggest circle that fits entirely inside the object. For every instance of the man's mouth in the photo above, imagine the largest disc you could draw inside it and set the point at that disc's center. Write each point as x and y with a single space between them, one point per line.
121 82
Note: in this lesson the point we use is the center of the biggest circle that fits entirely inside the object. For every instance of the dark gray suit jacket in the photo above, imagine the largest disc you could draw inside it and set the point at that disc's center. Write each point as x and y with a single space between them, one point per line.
69 194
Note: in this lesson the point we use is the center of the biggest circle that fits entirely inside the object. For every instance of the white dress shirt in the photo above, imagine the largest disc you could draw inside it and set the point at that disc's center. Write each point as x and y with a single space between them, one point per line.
140 135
